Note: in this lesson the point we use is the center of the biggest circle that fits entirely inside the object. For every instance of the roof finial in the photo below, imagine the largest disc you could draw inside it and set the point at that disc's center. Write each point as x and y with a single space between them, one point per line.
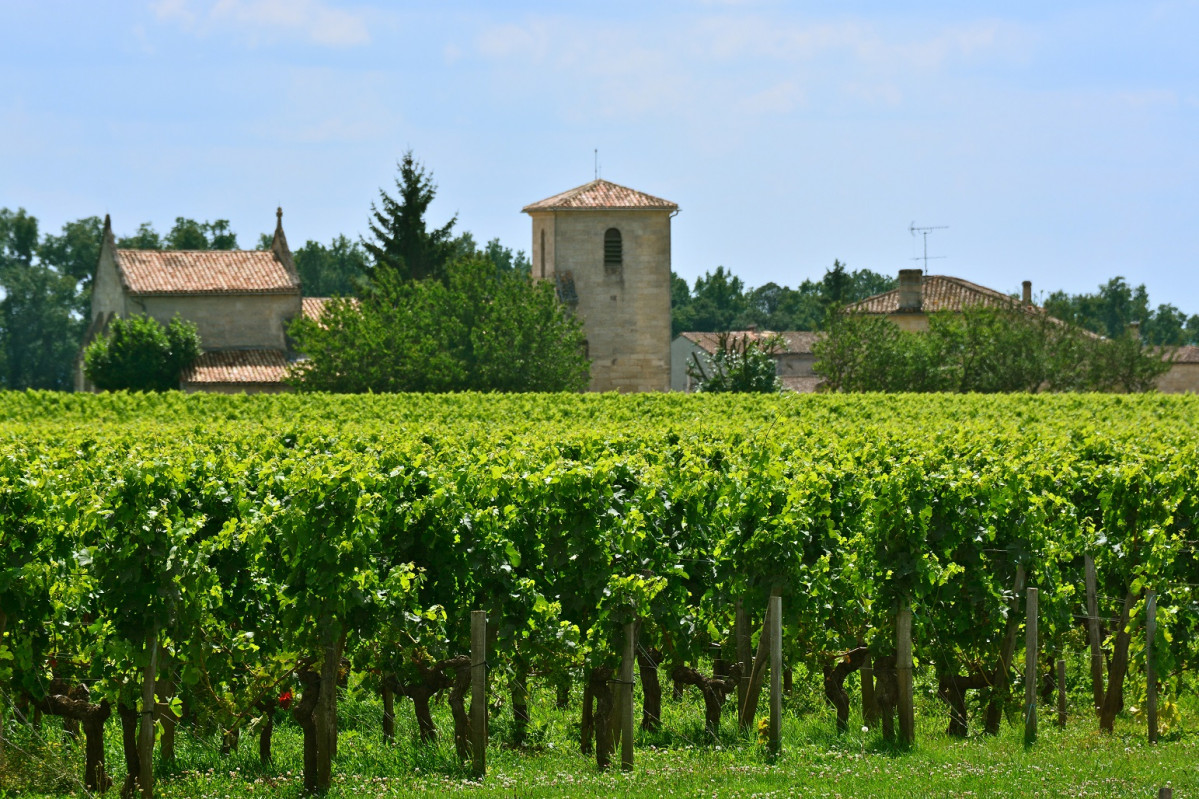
279 215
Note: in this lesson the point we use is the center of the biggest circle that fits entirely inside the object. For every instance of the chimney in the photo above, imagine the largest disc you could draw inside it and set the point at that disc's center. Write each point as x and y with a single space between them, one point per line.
911 290
1134 330
1027 292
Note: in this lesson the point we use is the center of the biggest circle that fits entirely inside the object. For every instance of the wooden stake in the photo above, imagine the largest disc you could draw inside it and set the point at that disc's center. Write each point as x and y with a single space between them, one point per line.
1093 634
626 691
903 668
869 708
745 655
1030 667
1165 793
776 674
1150 669
1061 693
478 692
145 739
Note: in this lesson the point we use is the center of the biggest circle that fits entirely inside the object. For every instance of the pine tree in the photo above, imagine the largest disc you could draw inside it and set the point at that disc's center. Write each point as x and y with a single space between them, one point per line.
401 241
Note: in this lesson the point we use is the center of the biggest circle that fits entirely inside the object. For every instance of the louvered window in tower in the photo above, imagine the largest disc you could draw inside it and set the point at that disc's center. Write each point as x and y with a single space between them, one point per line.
613 252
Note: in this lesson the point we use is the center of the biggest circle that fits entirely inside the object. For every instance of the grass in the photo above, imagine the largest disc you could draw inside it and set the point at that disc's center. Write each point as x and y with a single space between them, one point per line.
680 760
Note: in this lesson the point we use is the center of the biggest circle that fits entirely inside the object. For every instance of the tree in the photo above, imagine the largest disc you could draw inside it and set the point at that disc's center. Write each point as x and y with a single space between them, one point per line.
479 330
40 309
139 354
740 364
401 241
337 270
984 350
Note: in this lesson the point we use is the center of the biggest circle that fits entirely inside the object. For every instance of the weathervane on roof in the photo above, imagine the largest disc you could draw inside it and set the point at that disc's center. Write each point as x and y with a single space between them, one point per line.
924 231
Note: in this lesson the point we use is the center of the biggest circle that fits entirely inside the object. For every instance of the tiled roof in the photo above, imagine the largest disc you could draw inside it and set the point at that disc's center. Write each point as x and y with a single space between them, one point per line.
799 341
204 272
237 366
940 293
601 194
1186 354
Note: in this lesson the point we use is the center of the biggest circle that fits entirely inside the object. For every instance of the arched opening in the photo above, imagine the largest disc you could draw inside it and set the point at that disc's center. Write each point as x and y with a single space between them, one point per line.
613 251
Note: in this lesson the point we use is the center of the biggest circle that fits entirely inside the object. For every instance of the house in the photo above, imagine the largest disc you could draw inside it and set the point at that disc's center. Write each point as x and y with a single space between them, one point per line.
793 361
606 247
240 301
919 295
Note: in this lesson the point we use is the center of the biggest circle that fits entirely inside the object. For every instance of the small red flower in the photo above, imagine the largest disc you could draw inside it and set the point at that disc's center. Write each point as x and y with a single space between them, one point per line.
285 699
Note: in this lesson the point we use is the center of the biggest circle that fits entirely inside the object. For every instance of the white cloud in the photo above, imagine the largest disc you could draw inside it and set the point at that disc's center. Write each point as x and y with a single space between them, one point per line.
268 20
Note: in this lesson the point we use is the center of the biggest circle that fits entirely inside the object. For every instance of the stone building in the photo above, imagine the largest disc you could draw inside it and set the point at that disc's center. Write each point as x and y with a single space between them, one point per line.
240 301
793 363
607 249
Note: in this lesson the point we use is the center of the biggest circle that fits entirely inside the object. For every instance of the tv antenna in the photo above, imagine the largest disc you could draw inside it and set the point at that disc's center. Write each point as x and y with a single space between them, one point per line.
597 163
924 231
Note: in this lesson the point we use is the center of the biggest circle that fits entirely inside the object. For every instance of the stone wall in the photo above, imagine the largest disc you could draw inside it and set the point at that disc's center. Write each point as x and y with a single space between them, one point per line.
227 321
1182 378
626 314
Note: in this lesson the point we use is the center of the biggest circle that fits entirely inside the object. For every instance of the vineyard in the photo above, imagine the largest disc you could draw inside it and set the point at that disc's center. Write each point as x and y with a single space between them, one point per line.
202 561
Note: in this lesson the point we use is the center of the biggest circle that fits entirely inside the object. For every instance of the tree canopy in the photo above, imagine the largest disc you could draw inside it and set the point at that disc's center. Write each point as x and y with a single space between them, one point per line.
720 301
984 350
139 354
478 330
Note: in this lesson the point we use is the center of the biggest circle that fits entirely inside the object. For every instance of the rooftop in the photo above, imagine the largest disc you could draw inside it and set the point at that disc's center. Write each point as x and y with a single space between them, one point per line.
799 341
940 293
204 272
602 194
237 366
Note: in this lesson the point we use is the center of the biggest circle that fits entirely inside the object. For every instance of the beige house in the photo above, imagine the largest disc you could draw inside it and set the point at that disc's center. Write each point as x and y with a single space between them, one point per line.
919 295
793 362
607 249
239 300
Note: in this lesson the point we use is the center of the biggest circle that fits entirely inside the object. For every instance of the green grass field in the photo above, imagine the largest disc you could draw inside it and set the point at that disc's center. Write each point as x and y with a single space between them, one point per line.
681 760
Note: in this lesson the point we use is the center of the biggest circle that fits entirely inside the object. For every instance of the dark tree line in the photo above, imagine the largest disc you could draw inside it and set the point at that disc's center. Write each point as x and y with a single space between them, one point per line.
720 301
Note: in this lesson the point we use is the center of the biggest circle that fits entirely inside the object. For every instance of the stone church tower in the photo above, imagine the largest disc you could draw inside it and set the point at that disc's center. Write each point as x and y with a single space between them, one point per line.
607 249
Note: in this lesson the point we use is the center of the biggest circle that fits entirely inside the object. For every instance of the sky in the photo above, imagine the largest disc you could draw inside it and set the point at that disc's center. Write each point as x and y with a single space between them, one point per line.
1056 142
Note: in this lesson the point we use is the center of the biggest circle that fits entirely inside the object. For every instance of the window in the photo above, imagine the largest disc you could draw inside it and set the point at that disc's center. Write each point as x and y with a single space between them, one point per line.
613 252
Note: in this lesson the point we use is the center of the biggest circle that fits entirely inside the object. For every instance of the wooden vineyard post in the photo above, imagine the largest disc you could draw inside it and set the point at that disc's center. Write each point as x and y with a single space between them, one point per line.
478 692
1165 793
626 692
1150 670
1093 634
903 668
1061 693
776 674
745 654
1030 667
145 739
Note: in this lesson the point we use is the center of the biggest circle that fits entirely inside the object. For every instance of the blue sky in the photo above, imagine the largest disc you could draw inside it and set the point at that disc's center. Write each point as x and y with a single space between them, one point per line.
1059 142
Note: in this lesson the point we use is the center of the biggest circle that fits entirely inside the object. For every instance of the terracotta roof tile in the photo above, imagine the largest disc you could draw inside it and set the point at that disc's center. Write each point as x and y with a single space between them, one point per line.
1186 354
941 293
800 341
237 366
204 272
601 194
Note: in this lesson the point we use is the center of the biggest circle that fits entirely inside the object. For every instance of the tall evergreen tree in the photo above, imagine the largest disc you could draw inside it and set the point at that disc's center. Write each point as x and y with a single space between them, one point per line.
401 241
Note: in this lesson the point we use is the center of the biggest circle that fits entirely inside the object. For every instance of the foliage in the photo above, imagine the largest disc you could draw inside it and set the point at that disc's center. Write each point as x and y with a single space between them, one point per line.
720 300
401 241
1116 305
185 234
338 270
984 350
42 299
139 354
479 330
740 364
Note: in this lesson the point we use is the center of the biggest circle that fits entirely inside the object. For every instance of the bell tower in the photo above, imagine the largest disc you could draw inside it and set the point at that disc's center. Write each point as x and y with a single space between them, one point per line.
607 249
